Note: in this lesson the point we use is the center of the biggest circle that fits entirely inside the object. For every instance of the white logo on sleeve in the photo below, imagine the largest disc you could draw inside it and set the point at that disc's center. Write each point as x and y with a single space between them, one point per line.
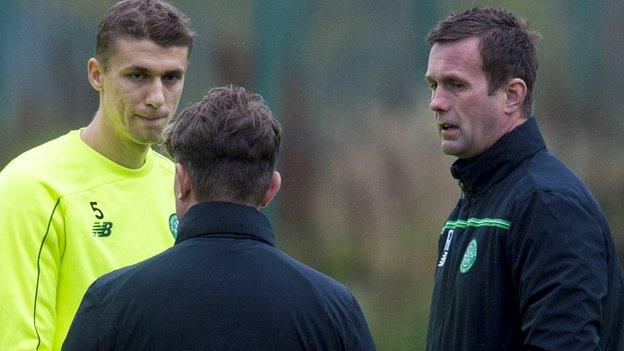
447 247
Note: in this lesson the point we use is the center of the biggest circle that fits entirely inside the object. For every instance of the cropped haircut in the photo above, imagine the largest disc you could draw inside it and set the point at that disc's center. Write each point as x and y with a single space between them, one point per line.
506 45
155 20
228 144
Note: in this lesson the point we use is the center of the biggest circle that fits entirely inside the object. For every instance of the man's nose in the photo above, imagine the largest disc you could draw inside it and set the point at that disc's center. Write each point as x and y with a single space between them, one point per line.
156 97
438 102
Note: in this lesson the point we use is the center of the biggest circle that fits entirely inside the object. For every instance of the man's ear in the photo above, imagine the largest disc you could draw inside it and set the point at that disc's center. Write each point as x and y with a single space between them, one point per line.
274 187
94 73
183 183
515 93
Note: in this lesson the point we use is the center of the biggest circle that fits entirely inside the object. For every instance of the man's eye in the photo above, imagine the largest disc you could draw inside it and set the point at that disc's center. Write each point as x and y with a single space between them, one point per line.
456 85
137 75
171 77
433 85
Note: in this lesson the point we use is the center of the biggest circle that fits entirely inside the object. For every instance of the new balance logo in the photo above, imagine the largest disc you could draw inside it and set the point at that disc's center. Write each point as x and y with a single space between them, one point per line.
102 229
447 247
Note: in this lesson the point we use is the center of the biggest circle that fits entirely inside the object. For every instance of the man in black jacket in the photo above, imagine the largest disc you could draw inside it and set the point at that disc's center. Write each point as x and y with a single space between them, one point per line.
224 285
526 258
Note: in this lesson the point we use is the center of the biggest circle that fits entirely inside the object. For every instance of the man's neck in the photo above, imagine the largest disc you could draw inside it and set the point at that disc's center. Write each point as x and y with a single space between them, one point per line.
103 139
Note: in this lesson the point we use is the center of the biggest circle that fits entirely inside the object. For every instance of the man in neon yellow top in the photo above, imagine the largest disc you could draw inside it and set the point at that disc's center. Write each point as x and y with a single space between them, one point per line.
97 198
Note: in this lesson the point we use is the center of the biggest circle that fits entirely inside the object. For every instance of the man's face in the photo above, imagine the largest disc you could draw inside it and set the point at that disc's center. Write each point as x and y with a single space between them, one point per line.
141 88
469 120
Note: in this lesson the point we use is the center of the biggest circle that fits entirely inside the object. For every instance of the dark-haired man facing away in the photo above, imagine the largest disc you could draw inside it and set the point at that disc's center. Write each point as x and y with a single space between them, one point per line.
97 198
526 258
224 285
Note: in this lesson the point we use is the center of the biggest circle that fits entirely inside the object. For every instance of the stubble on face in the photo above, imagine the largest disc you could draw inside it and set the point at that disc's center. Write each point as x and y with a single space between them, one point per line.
469 119
143 87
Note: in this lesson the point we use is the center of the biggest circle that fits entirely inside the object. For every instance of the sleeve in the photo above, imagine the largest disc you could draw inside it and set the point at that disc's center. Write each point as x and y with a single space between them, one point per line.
559 269
361 339
31 238
85 330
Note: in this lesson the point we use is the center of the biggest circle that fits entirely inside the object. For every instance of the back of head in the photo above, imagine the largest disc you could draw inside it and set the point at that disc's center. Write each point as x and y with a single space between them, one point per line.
228 144
507 46
154 20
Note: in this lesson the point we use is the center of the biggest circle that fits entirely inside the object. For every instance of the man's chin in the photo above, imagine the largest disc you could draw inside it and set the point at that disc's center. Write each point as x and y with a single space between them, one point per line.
147 139
449 149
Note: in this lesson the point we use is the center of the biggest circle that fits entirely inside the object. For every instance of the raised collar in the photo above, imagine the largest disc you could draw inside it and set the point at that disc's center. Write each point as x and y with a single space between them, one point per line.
478 174
225 218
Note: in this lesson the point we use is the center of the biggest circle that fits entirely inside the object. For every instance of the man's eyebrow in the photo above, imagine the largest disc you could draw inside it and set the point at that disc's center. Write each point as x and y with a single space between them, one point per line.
141 69
451 77
136 68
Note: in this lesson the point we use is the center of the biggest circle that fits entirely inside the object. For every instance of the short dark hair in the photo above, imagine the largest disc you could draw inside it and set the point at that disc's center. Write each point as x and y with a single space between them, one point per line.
506 45
155 20
228 143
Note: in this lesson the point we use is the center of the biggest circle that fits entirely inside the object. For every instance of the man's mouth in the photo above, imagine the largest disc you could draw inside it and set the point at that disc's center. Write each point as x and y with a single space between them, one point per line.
152 120
446 126
151 117
448 131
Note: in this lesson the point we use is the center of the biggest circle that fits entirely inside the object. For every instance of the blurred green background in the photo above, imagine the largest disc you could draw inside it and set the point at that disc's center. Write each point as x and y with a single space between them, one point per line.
366 189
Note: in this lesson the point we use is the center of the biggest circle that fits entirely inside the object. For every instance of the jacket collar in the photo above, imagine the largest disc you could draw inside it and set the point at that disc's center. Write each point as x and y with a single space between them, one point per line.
231 219
479 174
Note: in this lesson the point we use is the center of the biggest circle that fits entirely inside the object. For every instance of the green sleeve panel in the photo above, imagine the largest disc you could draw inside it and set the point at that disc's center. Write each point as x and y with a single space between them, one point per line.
67 216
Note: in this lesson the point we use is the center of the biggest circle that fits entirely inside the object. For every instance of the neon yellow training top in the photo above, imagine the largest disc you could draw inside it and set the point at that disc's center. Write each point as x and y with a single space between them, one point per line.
67 216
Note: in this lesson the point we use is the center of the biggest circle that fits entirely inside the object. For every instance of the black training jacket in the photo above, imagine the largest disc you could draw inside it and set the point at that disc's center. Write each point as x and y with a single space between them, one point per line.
223 286
526 259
